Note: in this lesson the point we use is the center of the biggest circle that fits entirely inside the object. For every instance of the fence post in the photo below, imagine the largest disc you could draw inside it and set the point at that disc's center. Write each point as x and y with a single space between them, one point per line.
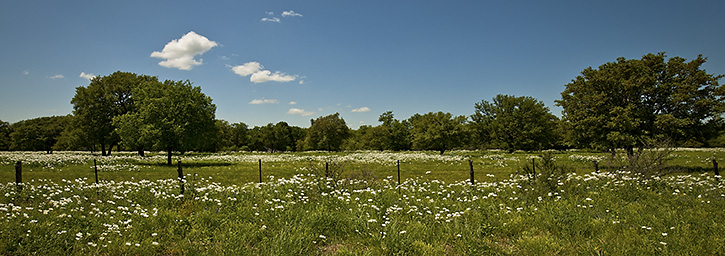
181 177
327 170
260 170
19 175
95 169
714 168
596 166
398 172
533 166
470 163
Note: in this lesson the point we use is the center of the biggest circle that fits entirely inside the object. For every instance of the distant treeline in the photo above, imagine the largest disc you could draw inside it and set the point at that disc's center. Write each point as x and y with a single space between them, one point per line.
624 104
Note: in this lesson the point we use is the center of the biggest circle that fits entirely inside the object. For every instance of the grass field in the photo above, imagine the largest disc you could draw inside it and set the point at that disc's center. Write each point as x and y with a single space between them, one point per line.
137 207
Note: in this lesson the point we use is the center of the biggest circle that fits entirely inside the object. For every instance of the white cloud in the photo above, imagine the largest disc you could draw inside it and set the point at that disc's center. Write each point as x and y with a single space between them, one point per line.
291 13
180 53
247 68
59 76
293 103
297 111
266 76
260 76
363 109
26 72
271 19
263 101
87 76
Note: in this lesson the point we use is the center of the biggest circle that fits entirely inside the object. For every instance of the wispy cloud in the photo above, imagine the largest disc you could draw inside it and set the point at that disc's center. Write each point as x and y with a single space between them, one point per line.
285 14
291 13
293 103
271 19
263 101
59 76
258 75
180 53
363 109
87 76
297 111
26 72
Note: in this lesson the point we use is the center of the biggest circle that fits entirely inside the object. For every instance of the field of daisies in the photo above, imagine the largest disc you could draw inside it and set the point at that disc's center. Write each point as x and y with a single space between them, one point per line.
357 206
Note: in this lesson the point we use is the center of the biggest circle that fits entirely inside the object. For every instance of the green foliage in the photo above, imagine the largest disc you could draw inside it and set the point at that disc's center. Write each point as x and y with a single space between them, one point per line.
543 175
437 131
105 98
38 134
628 103
4 136
514 123
172 116
327 133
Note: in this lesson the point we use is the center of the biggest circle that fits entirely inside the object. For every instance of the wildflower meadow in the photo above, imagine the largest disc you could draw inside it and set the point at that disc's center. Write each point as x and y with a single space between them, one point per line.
352 203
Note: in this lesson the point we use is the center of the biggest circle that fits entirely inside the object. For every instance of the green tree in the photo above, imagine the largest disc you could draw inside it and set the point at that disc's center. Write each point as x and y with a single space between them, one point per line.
4 135
38 133
173 116
437 131
514 123
630 103
105 97
394 134
327 133
239 135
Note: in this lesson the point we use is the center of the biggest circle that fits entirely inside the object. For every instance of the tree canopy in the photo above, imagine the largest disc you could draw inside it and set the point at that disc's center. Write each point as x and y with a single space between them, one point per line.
172 116
105 97
629 103
437 131
514 123
327 133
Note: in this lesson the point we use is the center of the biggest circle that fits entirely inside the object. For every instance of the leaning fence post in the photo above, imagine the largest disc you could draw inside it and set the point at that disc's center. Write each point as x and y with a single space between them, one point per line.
19 175
95 169
714 168
470 163
181 177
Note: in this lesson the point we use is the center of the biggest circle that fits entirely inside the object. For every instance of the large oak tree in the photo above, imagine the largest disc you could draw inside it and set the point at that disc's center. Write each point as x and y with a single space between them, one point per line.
630 103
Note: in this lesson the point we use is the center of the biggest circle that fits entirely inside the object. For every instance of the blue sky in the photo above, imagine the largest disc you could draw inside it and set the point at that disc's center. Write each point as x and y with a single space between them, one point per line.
269 61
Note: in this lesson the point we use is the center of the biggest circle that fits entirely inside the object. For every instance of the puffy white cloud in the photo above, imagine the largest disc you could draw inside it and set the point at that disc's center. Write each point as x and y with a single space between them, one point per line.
293 103
263 101
180 53
291 13
258 75
363 109
59 76
87 76
297 111
247 68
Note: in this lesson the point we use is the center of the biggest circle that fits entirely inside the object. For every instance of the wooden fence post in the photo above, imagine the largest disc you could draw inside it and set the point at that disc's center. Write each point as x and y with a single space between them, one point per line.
470 163
398 172
95 169
533 166
260 170
19 175
714 168
327 170
596 166
181 177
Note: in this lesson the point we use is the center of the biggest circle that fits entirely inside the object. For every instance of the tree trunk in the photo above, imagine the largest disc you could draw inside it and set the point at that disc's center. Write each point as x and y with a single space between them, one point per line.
103 149
141 152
